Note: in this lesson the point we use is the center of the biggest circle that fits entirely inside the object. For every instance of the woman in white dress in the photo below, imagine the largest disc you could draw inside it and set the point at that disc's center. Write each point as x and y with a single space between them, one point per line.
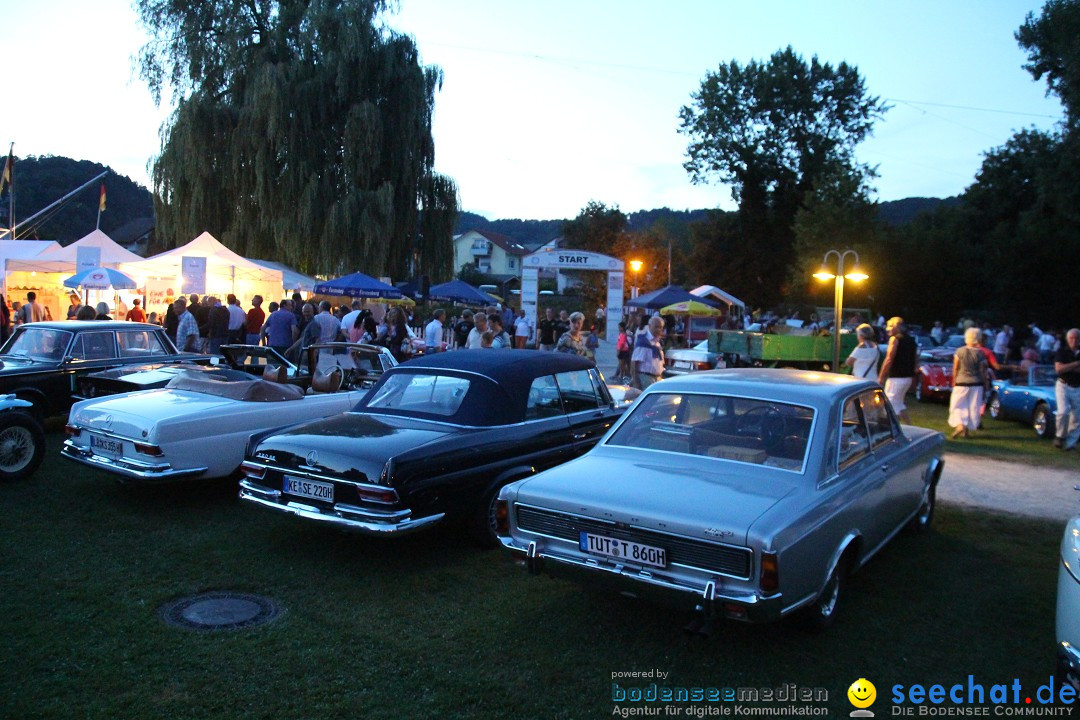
971 375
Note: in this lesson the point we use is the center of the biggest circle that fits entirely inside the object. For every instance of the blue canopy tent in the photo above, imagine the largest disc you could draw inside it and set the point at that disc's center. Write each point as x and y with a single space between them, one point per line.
460 291
358 285
666 296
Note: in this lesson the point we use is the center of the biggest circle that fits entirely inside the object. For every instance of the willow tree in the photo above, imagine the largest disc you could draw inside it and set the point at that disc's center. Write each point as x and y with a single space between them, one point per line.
302 133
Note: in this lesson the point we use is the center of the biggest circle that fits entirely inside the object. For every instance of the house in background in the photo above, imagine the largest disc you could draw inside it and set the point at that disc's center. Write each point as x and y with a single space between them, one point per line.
491 253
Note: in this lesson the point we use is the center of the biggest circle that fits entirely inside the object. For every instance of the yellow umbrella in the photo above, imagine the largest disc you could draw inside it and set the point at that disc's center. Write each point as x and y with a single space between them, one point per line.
691 307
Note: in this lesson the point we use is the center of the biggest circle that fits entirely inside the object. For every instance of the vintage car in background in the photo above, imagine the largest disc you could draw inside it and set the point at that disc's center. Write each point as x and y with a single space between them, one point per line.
243 361
933 380
22 439
1028 396
681 361
43 362
746 494
1067 631
198 425
434 440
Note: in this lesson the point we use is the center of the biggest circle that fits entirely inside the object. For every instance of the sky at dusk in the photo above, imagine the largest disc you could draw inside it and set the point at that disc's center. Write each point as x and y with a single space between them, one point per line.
547 106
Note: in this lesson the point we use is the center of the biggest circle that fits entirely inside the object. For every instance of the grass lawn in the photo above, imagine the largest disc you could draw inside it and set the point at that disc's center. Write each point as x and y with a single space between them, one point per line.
430 627
998 440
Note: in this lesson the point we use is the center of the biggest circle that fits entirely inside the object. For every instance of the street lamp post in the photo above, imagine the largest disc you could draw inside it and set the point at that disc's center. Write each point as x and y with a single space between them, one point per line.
855 274
635 266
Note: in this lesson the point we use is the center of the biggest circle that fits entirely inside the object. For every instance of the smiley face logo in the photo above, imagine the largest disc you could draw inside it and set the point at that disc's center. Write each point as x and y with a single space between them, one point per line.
862 693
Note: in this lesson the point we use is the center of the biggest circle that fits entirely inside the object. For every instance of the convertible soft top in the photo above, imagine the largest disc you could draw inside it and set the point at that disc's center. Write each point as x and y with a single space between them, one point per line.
500 393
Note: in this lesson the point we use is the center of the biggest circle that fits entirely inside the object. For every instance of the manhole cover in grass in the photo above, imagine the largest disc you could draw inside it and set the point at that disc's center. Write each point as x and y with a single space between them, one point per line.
220 611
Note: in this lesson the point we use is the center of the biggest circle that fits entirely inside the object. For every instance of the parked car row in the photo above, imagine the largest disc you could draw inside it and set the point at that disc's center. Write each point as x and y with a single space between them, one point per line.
749 495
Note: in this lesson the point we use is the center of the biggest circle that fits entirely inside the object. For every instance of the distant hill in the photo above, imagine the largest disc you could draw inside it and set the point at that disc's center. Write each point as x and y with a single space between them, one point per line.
534 233
40 181
901 212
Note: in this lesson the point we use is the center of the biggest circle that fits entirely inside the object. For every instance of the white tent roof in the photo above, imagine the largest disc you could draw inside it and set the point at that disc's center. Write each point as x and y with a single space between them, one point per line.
20 249
290 279
219 259
715 292
62 259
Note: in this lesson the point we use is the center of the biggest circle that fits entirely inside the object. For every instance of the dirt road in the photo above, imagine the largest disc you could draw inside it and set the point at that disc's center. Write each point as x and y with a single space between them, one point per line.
1008 487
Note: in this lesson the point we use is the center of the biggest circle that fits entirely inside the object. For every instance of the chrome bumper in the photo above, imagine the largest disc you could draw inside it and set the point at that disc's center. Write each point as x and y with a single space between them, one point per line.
346 517
648 584
1068 658
134 469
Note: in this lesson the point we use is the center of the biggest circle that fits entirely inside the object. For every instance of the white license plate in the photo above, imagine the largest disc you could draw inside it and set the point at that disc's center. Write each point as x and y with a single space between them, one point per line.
107 446
684 364
308 488
623 550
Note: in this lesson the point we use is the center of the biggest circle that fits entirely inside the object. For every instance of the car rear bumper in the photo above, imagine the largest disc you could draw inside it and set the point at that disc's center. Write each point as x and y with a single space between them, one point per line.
652 585
347 517
127 468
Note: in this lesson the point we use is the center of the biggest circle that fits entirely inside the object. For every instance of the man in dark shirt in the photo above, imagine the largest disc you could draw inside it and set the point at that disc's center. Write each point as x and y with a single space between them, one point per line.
462 329
217 325
1067 391
898 368
546 329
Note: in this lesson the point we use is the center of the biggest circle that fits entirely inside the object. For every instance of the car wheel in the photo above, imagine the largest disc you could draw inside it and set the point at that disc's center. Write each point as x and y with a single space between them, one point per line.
921 522
22 445
482 524
821 613
994 406
1042 421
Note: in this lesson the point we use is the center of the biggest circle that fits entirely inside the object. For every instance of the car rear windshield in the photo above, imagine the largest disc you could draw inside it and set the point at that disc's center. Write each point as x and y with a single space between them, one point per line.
738 429
420 393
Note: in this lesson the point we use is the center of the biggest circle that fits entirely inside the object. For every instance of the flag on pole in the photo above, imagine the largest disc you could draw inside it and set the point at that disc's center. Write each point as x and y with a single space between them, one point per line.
5 179
101 202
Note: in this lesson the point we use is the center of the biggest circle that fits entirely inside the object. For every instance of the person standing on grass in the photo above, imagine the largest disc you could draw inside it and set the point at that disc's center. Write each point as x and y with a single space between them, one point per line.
898 369
970 378
863 360
1067 391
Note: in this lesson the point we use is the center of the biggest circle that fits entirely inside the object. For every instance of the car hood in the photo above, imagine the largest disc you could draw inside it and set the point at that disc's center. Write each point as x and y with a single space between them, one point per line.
137 415
703 498
349 445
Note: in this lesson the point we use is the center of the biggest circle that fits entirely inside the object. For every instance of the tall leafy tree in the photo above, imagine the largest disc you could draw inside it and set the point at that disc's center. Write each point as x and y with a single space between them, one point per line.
771 130
1053 48
302 132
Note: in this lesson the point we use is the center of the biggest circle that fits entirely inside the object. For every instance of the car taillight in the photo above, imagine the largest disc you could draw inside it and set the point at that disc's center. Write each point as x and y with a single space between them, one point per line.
702 366
73 430
770 573
251 470
385 496
147 449
502 518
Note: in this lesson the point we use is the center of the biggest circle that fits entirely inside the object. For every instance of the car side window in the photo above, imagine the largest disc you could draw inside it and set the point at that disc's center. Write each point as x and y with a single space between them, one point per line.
140 343
854 443
544 399
576 389
878 419
94 346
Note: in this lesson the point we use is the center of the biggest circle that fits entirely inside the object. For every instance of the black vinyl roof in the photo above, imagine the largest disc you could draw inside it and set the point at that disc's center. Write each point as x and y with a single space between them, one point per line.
500 378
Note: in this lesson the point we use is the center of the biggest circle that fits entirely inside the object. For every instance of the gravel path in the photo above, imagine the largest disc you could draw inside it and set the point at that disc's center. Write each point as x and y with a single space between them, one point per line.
1009 487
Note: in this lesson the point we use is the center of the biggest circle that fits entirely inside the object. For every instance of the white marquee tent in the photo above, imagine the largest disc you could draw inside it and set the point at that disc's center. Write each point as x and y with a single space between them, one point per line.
226 272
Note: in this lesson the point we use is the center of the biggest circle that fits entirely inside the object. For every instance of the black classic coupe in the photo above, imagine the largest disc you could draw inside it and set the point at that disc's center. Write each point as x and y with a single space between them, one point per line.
433 441
43 362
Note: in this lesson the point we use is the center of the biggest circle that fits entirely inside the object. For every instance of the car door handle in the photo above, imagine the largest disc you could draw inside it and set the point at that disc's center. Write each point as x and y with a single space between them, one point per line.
580 436
884 468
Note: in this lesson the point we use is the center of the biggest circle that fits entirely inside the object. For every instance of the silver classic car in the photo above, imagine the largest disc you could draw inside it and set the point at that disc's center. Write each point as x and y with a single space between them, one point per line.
745 494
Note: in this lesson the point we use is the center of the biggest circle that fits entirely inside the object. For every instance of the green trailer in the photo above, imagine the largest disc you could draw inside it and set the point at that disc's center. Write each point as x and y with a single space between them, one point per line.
754 349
